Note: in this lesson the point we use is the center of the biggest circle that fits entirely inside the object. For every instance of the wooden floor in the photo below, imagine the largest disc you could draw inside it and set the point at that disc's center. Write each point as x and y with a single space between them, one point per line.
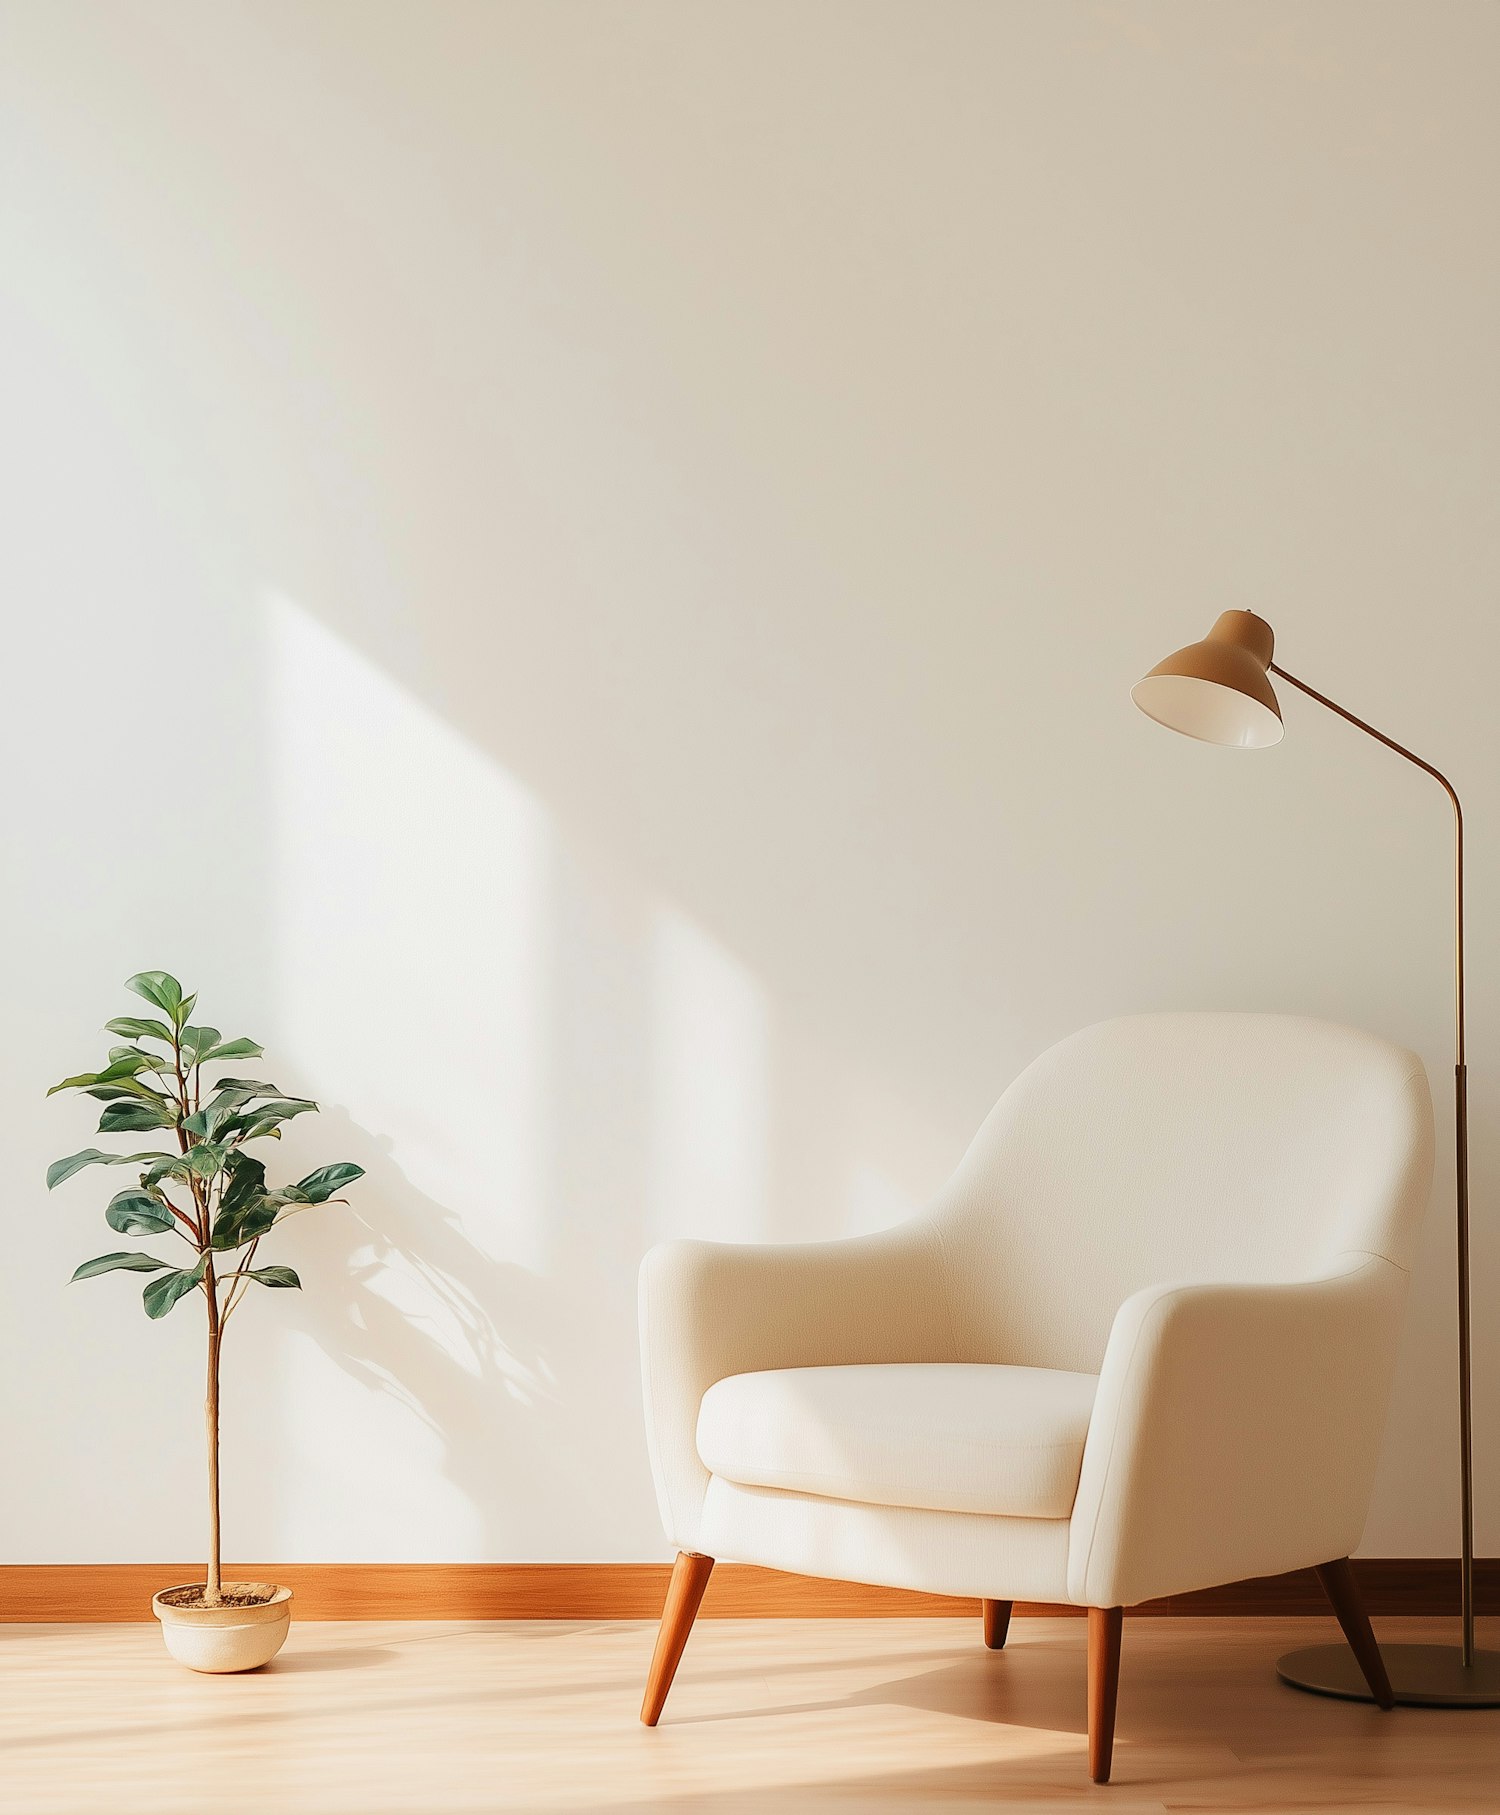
773 1715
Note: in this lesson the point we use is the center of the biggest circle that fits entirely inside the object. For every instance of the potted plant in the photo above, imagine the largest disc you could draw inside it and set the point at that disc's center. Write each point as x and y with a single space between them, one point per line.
211 1194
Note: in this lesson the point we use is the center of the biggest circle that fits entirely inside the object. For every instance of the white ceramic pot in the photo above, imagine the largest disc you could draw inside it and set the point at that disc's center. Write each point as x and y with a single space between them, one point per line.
222 1639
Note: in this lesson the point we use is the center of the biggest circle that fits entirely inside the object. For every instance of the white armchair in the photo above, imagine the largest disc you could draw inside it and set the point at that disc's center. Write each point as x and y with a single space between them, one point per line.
1141 1344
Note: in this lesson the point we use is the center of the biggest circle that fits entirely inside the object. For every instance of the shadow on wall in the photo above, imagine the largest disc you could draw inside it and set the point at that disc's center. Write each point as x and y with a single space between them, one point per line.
543 1068
407 1305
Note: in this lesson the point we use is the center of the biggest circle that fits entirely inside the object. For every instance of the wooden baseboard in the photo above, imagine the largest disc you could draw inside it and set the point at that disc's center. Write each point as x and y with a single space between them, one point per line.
634 1591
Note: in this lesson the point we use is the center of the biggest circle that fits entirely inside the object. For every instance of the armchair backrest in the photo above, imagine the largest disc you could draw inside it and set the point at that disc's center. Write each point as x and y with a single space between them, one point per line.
1178 1147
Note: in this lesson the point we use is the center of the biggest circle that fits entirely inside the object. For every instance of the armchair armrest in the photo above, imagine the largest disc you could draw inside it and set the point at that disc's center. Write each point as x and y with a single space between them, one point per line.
711 1309
1235 1432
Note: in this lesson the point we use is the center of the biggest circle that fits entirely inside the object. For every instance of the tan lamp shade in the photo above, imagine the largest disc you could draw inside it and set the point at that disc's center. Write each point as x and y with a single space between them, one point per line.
1218 690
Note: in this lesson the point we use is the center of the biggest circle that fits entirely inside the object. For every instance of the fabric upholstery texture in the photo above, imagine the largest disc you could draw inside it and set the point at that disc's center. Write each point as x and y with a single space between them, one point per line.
1213 1214
943 1436
891 1546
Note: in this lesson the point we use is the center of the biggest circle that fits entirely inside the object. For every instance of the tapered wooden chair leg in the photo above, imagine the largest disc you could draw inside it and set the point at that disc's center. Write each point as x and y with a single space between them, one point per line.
690 1575
1343 1591
996 1623
1105 1624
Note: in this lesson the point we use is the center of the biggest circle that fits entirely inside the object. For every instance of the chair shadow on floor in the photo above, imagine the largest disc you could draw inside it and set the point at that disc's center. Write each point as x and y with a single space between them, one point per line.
1038 1684
1038 1687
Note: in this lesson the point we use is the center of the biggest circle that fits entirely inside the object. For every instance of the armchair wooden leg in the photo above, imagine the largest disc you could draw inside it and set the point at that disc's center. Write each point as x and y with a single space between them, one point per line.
690 1575
1105 1624
1343 1591
996 1623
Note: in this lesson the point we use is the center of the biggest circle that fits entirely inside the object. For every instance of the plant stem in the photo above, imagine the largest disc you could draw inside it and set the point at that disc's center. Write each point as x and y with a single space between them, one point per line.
211 1420
199 1191
237 1281
196 1188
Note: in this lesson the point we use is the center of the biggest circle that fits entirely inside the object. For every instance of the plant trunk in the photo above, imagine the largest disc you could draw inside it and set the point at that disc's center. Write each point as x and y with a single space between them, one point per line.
211 1590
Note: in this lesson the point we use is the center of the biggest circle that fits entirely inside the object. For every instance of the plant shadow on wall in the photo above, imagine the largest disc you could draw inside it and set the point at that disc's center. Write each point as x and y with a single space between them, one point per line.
474 1347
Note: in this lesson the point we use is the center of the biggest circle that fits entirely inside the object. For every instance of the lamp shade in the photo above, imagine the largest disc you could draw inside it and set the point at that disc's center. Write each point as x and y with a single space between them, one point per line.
1218 690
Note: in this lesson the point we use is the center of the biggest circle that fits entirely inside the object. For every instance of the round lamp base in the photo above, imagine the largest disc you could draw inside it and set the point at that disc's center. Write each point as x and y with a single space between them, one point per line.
1422 1676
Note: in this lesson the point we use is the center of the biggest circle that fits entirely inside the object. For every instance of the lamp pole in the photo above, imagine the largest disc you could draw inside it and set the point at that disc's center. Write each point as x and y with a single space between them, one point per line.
1461 1149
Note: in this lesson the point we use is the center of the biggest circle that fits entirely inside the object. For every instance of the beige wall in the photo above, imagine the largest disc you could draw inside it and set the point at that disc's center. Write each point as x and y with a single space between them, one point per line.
577 568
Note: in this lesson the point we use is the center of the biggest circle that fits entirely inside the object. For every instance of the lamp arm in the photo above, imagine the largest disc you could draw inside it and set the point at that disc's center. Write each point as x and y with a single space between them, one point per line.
1458 827
1461 1149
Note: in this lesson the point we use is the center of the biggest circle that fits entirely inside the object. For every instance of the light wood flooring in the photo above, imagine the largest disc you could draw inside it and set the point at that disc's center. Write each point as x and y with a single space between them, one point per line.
768 1717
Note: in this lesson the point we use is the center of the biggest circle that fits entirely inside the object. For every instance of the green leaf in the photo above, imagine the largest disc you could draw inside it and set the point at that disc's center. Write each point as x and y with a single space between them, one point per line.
168 1165
80 1081
196 1041
261 1131
133 1028
161 989
252 1087
206 1160
132 1262
247 1179
162 1294
319 1186
212 1117
124 1063
132 1116
148 1061
274 1276
235 1049
91 1156
267 1117
245 1224
133 1213
132 1087
244 1211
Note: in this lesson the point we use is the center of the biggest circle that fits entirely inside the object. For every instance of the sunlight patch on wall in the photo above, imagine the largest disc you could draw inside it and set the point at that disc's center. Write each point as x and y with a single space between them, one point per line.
410 904
410 931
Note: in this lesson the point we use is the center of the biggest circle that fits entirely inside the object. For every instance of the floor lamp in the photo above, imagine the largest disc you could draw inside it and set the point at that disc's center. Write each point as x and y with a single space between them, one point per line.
1219 691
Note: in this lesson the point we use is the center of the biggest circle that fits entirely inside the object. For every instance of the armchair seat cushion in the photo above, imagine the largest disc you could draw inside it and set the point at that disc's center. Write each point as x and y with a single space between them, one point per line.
944 1437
